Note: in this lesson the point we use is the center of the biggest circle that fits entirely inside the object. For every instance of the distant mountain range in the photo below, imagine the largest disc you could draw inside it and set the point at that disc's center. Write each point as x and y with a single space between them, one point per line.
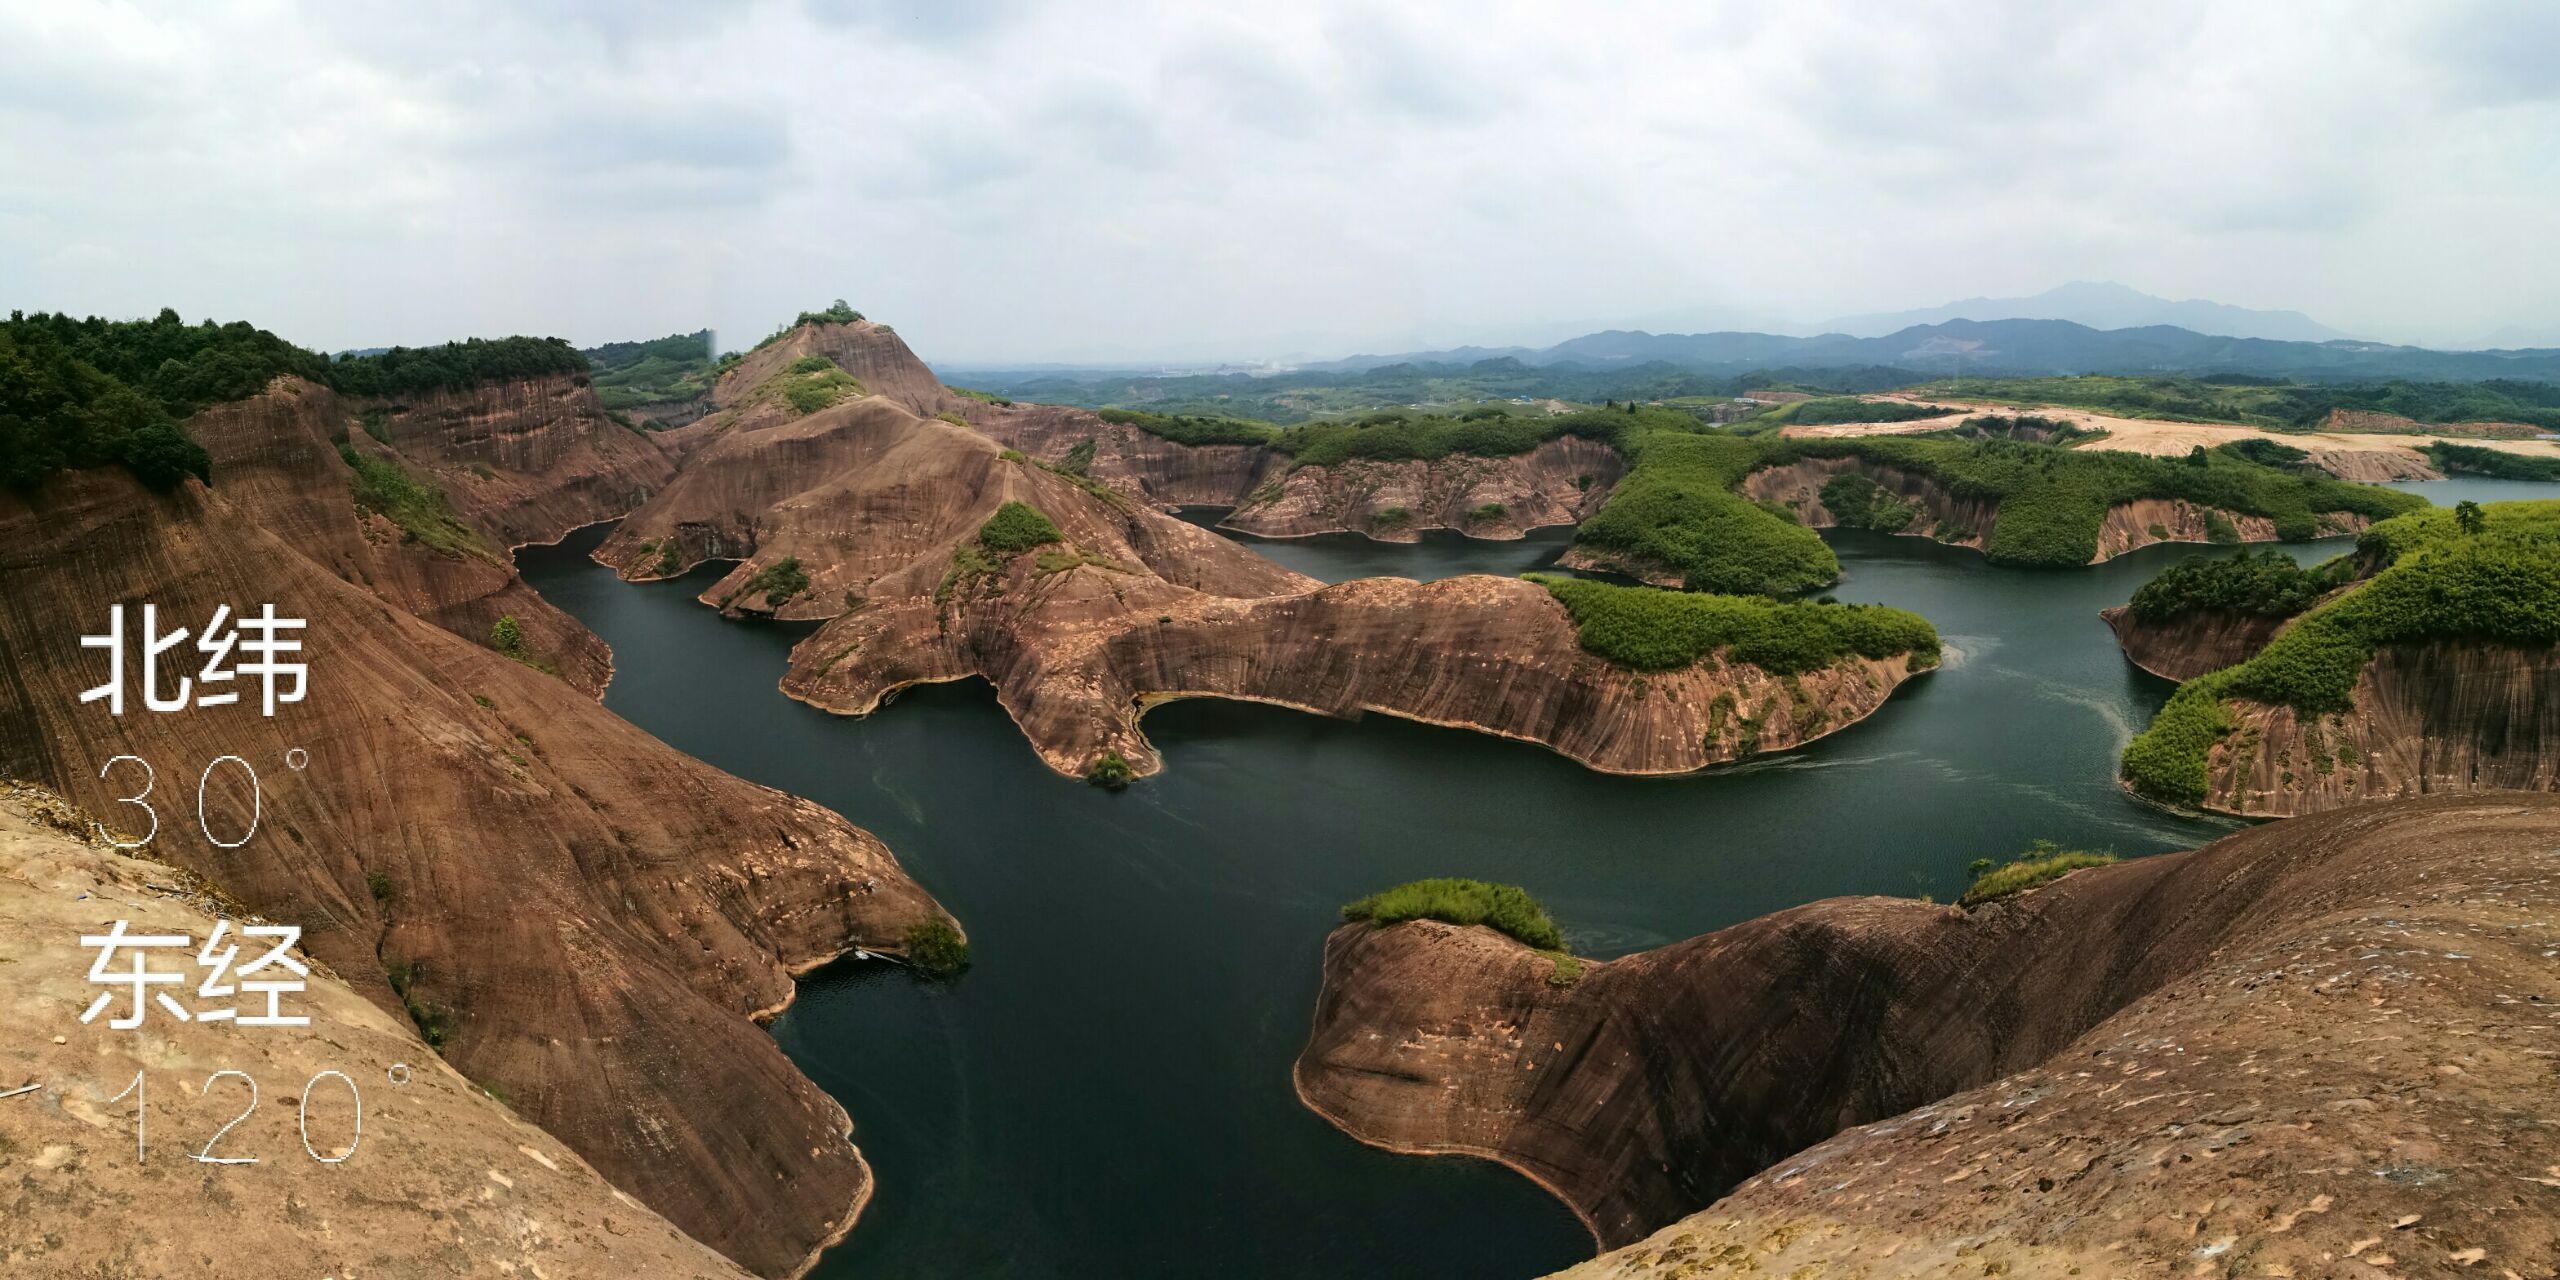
2018 347
2100 305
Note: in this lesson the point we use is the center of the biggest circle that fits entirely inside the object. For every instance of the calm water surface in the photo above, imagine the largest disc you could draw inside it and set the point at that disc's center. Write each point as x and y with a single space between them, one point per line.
1107 1091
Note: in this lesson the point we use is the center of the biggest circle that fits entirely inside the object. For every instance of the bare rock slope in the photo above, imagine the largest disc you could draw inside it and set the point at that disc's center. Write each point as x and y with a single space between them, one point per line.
588 919
2192 643
2321 1047
441 1178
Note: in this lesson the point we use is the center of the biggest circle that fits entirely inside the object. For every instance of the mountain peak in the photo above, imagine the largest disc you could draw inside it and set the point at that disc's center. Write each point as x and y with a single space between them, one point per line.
2101 304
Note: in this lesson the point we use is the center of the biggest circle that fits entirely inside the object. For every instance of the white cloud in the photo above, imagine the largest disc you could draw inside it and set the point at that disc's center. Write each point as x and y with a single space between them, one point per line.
1030 179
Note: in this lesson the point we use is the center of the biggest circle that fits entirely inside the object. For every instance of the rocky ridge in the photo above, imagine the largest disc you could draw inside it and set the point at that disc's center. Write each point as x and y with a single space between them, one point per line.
559 898
2314 1047
869 516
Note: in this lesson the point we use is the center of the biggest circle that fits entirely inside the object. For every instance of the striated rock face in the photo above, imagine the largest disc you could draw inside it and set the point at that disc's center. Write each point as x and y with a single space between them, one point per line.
443 1178
1559 482
879 510
2309 1042
1139 463
1963 522
593 917
865 492
1937 513
528 460
1076 658
2452 716
2193 643
276 459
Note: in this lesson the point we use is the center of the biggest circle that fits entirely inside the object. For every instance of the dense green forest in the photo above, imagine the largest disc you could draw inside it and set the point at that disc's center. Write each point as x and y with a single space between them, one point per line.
2264 583
2485 573
2472 460
1651 629
90 393
78 393
454 366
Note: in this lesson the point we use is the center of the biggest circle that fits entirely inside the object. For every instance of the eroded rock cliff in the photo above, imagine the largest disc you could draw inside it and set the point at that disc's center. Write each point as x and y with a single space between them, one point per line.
1557 483
871 516
2314 1046
526 459
2451 715
588 919
2192 643
1935 512
439 1176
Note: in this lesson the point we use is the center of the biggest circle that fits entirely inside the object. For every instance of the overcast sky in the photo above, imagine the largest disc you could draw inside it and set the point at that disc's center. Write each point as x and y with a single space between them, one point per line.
1026 180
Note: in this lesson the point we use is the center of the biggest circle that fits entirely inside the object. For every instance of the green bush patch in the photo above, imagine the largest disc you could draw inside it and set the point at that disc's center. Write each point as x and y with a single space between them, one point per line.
779 581
382 487
2042 864
1506 907
1016 527
1651 629
936 949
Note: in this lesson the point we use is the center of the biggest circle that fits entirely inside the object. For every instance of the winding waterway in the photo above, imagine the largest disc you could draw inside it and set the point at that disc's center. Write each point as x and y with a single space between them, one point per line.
1107 1091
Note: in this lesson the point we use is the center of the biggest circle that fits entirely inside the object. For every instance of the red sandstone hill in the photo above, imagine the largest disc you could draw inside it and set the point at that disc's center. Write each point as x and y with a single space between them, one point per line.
591 919
867 516
2313 1047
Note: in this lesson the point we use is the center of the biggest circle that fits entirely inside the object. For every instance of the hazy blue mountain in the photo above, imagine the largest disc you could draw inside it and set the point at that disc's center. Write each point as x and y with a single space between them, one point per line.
2101 305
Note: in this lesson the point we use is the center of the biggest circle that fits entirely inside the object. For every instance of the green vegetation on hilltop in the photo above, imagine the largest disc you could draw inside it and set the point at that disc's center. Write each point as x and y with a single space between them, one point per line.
2436 580
383 487
1504 907
837 312
2043 863
1017 527
2472 460
76 394
812 383
2266 584
1676 508
1396 438
1826 410
454 366
679 366
2053 500
1651 629
1192 430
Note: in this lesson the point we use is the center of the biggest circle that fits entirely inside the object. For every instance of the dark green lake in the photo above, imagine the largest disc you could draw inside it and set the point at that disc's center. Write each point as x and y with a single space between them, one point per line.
1107 1091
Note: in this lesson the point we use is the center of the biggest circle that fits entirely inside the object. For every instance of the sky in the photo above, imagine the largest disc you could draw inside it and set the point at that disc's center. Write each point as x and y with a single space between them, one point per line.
1022 180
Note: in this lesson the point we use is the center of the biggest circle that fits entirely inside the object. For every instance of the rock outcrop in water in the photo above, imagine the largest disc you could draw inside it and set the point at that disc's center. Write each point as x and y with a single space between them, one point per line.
441 1176
2192 643
870 516
2313 1046
587 919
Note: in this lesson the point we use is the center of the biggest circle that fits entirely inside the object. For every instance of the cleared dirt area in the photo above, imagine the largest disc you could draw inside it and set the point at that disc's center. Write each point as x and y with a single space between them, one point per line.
2153 436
